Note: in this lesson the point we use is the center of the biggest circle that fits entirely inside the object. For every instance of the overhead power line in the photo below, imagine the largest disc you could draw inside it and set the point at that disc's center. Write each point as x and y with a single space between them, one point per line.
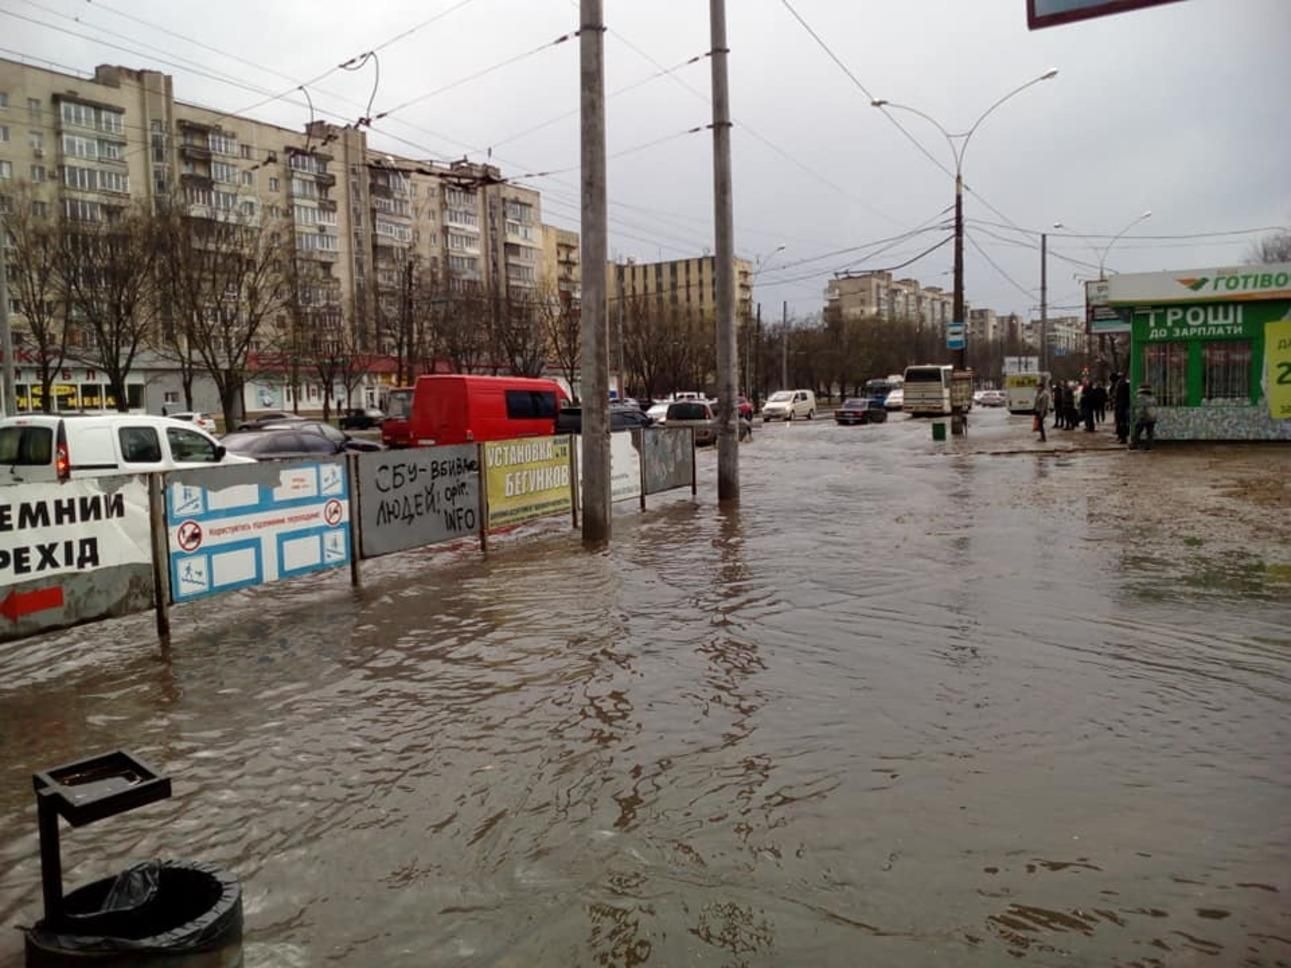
1029 293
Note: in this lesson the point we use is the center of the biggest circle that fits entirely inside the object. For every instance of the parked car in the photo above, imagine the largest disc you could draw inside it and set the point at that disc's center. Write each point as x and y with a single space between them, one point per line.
364 418
268 417
337 437
658 411
623 416
861 410
198 419
895 400
455 409
789 405
696 414
53 447
993 398
282 444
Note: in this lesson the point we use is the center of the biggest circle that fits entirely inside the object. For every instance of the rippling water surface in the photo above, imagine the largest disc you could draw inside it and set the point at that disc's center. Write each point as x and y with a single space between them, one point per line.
908 705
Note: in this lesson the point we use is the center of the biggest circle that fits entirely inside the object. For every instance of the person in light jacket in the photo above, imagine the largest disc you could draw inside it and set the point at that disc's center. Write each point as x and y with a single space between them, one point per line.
1041 408
1145 417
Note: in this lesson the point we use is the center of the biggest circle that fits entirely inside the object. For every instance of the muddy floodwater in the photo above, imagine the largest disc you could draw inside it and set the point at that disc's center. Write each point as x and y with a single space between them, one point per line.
911 704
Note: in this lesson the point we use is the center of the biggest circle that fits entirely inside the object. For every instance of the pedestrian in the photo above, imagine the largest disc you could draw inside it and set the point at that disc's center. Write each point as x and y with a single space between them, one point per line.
1087 406
163 410
1069 407
1145 417
1059 405
1041 410
1121 407
1100 402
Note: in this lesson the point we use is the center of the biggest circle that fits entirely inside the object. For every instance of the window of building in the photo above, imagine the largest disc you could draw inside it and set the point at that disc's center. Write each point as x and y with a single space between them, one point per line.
224 201
170 396
39 209
38 173
33 108
459 263
6 170
248 178
4 99
222 144
81 210
4 133
1165 368
6 206
304 188
224 172
1226 367
36 142
273 183
248 208
111 121
110 150
79 147
245 151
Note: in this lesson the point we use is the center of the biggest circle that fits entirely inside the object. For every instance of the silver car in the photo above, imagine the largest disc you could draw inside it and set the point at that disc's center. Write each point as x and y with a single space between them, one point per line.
696 414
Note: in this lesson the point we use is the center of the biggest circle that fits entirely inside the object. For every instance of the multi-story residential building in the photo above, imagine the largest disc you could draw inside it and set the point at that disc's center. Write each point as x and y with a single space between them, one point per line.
687 287
984 325
562 264
876 295
362 221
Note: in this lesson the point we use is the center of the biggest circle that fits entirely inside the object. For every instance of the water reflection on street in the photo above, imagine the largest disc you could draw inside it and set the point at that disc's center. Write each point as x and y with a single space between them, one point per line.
911 704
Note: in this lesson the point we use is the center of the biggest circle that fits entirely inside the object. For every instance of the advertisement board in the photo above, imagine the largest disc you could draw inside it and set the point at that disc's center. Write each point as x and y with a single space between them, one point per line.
1051 13
1100 316
421 496
526 478
73 552
1277 360
669 457
248 524
1229 284
625 465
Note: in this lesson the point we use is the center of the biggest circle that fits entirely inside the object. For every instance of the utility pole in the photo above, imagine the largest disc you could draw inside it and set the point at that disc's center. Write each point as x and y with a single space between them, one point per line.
784 345
961 354
755 361
6 335
1044 300
595 375
728 360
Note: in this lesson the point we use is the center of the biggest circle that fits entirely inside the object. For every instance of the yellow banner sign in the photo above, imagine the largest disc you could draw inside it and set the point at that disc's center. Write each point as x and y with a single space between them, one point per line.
1277 359
527 478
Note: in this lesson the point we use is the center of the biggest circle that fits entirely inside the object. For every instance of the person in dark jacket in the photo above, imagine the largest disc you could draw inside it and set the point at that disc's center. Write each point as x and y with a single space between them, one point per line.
1100 402
1087 406
1121 407
1059 405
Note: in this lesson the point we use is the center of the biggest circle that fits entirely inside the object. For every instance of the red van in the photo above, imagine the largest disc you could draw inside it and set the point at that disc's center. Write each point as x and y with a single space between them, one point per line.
396 428
460 409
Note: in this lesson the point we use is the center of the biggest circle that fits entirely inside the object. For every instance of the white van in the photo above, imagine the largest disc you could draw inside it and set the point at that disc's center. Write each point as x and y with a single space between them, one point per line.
789 405
57 447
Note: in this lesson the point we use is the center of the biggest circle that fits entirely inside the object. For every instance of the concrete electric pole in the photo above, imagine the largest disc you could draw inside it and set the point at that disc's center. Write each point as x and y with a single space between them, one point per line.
1044 299
595 373
784 345
6 334
728 361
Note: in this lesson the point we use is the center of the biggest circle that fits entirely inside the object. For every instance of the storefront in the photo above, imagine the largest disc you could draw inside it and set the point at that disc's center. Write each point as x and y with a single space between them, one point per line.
1215 344
75 389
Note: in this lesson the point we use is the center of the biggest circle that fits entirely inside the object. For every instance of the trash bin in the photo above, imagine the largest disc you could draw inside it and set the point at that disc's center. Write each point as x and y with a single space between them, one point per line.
939 430
159 913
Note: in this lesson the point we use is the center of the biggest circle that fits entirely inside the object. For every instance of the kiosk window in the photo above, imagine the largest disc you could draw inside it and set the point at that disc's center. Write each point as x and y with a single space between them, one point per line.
1227 369
1165 367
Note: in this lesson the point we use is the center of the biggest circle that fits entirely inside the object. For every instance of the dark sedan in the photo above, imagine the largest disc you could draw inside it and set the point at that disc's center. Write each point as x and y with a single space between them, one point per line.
280 444
364 419
859 411
262 420
340 439
622 417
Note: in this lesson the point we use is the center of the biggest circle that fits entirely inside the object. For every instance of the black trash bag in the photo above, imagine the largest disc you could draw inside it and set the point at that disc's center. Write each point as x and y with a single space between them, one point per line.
155 906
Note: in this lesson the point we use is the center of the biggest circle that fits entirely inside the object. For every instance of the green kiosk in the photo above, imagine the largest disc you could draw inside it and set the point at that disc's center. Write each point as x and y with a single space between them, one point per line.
1215 344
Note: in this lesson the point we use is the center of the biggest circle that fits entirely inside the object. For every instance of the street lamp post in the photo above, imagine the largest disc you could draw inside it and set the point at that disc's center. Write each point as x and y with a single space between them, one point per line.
1102 259
958 145
759 264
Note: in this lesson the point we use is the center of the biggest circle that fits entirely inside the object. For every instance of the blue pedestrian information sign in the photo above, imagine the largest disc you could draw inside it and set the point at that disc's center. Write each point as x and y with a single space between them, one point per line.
955 336
235 526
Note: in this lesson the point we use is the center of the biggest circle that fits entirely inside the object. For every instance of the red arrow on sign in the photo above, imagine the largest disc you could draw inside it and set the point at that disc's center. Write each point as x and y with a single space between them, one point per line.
18 604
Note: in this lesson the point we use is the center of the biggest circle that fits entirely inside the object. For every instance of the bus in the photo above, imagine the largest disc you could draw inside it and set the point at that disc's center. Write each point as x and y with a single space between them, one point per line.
879 389
933 390
1020 390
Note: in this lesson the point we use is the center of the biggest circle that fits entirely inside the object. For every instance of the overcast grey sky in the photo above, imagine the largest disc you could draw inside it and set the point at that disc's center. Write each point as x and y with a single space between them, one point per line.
1181 109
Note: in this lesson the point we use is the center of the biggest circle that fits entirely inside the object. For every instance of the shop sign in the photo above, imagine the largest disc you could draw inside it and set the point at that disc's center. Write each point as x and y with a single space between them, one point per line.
1232 284
527 478
1277 360
1215 321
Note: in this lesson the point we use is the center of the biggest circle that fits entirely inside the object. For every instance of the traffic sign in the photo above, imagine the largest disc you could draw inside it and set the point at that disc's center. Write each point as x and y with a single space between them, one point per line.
955 336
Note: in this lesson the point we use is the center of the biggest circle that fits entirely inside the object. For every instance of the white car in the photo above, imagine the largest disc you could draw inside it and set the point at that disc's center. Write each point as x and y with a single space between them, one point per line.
658 411
197 418
992 398
895 400
789 405
53 447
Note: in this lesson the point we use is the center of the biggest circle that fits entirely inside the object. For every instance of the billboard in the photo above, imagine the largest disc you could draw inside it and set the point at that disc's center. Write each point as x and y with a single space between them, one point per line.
1224 284
1051 13
526 478
73 552
410 498
1100 316
249 524
669 458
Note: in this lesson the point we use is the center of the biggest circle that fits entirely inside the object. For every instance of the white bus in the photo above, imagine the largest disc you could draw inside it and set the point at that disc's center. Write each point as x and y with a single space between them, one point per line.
933 390
1020 390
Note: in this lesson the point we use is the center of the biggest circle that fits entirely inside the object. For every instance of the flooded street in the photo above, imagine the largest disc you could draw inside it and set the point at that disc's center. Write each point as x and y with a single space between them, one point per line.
911 704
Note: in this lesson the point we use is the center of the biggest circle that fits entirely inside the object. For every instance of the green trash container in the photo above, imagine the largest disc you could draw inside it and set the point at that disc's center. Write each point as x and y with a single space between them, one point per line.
939 430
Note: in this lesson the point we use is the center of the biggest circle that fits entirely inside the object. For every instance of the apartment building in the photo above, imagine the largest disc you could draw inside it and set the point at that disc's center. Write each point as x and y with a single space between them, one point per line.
985 325
362 220
687 287
562 264
876 295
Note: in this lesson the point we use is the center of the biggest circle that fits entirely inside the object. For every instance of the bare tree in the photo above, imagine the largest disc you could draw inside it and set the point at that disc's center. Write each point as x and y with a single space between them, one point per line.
338 360
1273 248
562 323
37 285
108 270
463 331
519 336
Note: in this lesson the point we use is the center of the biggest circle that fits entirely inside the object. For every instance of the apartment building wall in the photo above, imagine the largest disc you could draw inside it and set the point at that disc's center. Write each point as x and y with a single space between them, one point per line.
684 286
562 263
876 295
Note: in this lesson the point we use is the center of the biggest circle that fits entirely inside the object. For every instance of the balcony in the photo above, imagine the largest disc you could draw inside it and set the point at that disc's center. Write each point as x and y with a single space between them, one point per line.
195 152
192 179
325 179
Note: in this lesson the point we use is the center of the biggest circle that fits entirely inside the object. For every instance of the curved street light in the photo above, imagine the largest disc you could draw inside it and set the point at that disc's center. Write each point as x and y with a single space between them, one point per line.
1102 261
958 146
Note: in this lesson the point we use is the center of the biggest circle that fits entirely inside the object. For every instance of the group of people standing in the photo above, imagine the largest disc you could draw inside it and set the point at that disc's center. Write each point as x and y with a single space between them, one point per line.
1073 404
